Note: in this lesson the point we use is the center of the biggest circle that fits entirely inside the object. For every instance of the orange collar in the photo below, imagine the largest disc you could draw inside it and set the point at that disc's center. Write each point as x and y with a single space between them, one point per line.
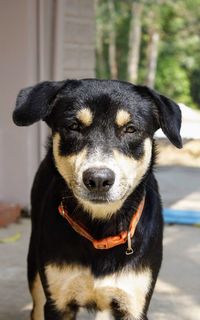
109 242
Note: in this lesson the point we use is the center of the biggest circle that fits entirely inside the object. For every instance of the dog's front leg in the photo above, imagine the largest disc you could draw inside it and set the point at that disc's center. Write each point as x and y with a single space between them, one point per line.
51 313
127 317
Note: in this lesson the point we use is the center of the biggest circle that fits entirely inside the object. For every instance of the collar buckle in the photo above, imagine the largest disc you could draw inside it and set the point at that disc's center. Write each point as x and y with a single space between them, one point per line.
129 249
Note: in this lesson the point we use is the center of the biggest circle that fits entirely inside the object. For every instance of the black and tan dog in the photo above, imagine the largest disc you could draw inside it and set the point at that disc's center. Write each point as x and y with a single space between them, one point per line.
96 237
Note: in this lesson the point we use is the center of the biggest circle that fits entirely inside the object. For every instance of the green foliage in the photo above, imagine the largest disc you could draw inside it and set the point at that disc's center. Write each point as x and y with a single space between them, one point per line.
178 65
172 80
122 28
195 86
122 22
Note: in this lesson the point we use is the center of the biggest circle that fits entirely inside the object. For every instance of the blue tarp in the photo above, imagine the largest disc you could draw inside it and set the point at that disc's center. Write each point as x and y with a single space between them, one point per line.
181 216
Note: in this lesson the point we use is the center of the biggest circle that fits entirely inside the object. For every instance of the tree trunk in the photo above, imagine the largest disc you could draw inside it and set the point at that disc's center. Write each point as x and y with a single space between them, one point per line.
112 42
152 57
101 67
134 41
100 53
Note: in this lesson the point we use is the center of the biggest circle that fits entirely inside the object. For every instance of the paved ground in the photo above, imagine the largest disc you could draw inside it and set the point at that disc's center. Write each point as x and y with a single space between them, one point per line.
179 187
177 294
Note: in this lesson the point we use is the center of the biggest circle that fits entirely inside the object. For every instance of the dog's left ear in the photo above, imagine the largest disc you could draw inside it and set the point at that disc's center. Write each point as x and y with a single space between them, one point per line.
168 115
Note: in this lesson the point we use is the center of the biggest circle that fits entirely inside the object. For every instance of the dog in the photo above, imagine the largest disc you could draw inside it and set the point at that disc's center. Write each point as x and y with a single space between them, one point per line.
97 223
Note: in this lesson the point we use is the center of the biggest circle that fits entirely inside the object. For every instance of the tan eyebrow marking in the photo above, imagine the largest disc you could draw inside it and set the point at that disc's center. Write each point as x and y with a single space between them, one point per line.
85 116
122 117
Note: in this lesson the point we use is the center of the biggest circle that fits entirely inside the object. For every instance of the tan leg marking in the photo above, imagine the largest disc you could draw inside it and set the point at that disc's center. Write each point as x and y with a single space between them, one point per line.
69 283
133 289
39 299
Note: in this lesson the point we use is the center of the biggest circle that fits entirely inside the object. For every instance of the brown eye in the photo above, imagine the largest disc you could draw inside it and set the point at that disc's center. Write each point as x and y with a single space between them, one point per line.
129 129
74 126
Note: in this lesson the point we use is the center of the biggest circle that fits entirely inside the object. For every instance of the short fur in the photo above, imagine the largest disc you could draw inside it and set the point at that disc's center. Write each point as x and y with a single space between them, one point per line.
106 126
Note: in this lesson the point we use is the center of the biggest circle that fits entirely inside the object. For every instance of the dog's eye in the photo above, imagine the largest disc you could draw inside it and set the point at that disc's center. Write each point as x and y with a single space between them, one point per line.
75 126
129 129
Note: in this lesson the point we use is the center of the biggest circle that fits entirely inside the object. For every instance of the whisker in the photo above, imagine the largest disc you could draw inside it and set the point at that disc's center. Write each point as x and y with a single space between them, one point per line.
68 197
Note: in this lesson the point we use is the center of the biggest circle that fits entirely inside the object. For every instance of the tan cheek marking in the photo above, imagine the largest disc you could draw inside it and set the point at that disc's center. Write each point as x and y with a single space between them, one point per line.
132 169
67 165
85 116
143 164
39 299
125 163
69 283
122 118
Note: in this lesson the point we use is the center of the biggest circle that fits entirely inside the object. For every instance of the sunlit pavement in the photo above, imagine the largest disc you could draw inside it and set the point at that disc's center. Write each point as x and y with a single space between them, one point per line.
177 294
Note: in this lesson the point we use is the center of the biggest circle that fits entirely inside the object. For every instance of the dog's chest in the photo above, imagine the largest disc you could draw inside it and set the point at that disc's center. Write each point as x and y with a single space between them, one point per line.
72 284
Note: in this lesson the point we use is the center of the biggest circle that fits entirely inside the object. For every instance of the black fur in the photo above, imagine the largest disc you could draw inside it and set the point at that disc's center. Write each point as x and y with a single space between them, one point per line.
52 239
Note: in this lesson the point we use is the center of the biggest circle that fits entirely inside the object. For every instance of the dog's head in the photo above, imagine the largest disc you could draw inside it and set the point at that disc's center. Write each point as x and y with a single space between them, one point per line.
102 135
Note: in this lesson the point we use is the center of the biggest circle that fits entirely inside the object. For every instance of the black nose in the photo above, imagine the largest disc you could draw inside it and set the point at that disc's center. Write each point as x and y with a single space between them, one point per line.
98 179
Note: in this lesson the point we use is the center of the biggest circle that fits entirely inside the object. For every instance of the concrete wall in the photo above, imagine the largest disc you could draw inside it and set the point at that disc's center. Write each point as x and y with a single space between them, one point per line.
18 68
75 34
39 40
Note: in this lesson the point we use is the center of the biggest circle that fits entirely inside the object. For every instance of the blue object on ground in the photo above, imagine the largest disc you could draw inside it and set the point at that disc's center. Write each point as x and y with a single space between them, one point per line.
181 216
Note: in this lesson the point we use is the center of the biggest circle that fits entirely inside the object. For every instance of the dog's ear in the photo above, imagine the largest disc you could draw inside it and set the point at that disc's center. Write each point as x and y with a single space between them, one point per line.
35 103
168 115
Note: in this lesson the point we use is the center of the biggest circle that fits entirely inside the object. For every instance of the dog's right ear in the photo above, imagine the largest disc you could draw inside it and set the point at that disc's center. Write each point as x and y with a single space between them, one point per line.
35 103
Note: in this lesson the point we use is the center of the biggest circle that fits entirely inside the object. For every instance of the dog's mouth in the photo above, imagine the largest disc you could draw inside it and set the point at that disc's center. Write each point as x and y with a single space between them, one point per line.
96 198
98 201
